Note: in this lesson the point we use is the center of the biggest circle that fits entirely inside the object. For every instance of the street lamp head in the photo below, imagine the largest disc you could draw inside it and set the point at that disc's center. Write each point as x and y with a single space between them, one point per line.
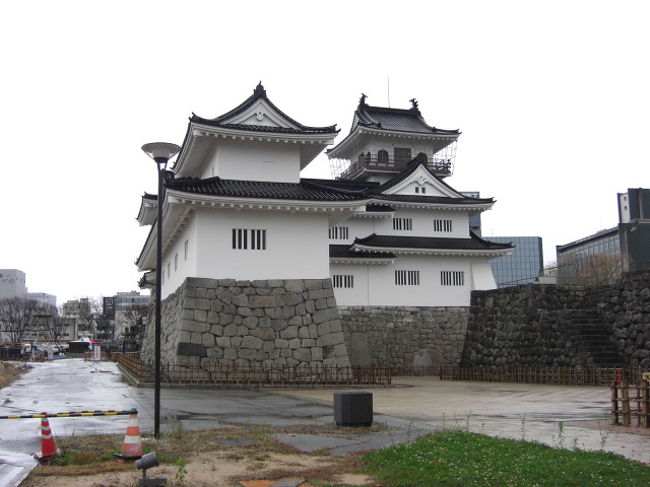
161 152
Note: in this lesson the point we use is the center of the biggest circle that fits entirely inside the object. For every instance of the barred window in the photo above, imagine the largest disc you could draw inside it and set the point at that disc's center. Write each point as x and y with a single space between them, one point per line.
339 233
452 278
402 224
442 225
407 278
248 239
339 280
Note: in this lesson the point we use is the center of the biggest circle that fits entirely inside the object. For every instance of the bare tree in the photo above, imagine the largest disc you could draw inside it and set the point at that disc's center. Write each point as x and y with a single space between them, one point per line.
134 317
17 316
56 326
590 270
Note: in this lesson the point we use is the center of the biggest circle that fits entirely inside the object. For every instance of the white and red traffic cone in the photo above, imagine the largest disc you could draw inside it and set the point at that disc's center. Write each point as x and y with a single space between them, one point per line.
48 445
132 447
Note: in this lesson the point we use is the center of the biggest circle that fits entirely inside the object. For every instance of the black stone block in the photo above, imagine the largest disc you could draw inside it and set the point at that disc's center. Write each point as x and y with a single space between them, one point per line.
192 349
353 408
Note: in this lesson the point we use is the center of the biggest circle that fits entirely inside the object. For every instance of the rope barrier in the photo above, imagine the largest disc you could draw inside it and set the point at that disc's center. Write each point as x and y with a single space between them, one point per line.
74 414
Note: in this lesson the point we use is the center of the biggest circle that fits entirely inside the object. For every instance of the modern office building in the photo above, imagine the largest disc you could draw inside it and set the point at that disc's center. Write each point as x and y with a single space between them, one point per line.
12 283
523 265
604 255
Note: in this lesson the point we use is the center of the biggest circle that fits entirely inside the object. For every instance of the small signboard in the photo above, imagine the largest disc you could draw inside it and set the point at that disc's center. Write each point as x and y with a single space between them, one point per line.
97 352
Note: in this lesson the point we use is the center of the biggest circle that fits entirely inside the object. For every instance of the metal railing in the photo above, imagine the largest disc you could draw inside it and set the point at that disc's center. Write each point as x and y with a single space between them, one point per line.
371 160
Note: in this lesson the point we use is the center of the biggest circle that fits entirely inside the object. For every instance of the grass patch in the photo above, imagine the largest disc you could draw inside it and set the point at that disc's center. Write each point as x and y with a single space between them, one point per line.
459 458
9 372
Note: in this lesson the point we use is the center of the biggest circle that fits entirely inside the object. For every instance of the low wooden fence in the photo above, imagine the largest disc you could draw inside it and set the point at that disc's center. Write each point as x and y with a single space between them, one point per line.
254 375
410 371
631 405
592 376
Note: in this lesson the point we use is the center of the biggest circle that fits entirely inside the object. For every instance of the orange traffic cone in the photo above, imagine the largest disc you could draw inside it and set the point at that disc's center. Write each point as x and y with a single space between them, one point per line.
132 448
48 445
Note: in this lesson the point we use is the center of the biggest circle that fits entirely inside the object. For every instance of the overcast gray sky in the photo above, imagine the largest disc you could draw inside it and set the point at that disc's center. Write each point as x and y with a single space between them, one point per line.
552 99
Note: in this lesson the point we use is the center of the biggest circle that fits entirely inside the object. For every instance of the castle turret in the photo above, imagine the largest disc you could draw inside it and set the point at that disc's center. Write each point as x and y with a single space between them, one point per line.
383 141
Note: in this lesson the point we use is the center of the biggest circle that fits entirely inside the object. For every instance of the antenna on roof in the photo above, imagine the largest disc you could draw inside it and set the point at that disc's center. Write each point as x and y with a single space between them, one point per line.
388 86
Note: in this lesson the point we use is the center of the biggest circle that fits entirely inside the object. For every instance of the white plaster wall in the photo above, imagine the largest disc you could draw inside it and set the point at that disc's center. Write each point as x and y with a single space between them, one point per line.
360 227
296 245
254 161
382 290
482 275
423 224
186 267
357 294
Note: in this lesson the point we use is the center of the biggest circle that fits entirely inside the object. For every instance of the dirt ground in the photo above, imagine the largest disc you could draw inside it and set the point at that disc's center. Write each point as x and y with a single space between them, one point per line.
201 458
220 469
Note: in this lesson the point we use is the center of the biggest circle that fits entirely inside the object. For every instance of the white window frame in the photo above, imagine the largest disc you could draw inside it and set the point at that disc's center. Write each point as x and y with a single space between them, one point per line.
339 233
343 281
452 278
443 225
249 239
402 224
407 278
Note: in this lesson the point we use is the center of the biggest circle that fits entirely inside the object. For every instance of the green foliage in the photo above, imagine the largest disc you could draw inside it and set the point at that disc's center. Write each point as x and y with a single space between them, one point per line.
181 470
459 458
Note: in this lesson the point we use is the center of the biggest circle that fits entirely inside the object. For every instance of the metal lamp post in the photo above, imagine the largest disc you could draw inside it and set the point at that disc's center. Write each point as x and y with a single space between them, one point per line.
160 152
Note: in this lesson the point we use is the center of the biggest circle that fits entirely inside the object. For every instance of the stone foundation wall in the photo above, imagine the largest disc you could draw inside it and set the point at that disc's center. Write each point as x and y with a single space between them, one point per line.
404 336
626 305
541 325
522 325
272 323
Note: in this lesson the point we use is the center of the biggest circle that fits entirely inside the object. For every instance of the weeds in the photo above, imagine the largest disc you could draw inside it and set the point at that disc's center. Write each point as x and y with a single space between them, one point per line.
560 434
179 431
604 433
468 415
181 471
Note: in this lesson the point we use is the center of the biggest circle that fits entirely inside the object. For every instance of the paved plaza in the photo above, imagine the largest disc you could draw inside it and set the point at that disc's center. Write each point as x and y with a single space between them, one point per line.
412 406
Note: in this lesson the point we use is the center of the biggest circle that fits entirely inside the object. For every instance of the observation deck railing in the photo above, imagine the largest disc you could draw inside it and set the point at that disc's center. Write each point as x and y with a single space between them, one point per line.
441 167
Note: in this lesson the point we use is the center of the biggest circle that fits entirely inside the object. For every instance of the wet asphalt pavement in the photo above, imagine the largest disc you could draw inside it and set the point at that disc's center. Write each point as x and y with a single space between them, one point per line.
75 385
414 406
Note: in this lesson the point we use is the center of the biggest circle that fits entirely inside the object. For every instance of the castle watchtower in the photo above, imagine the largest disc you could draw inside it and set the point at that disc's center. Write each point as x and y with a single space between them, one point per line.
383 141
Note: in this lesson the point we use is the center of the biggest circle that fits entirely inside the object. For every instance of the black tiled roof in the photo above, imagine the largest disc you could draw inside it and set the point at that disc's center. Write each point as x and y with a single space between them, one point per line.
396 119
310 189
414 198
260 93
397 241
344 252
303 191
373 207
148 196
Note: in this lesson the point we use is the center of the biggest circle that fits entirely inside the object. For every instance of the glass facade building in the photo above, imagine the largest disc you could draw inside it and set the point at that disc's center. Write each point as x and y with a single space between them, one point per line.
522 266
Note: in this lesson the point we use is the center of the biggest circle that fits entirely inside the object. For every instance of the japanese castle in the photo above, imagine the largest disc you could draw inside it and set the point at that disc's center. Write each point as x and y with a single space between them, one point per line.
387 231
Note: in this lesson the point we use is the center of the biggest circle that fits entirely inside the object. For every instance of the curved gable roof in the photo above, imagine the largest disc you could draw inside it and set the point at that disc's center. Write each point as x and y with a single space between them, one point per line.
395 119
226 120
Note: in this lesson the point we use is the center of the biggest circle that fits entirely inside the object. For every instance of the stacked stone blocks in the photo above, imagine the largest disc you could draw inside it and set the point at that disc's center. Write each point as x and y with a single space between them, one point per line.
267 323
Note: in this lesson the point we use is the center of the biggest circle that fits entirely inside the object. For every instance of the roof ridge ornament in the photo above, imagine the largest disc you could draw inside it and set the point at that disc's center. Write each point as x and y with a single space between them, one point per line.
259 90
414 105
362 100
